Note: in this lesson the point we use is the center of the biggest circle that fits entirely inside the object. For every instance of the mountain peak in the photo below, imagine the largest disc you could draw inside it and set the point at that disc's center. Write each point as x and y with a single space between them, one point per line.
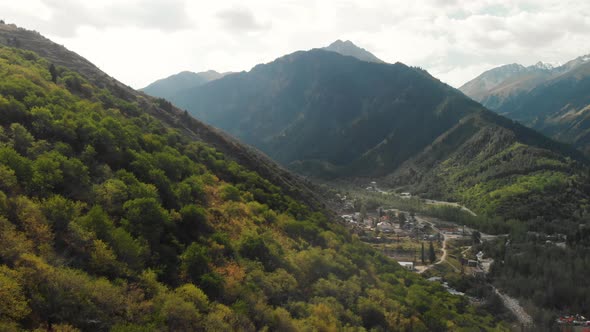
543 65
348 48
340 43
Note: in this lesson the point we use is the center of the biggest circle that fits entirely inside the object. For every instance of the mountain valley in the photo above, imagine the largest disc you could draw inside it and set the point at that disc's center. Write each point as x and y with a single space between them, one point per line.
295 196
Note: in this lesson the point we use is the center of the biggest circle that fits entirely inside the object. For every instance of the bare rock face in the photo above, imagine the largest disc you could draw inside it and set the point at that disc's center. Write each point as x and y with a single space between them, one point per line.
349 49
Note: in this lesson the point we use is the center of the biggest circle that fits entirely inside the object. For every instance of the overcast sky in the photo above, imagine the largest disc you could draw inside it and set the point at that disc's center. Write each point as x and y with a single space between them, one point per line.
139 41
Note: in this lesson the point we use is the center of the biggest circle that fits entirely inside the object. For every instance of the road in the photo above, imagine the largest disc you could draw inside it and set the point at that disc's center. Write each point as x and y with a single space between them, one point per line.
435 202
443 258
509 302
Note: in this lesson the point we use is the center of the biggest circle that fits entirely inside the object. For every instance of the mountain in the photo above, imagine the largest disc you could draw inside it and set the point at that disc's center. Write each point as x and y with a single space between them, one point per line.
332 116
512 77
120 212
178 83
349 49
554 101
167 87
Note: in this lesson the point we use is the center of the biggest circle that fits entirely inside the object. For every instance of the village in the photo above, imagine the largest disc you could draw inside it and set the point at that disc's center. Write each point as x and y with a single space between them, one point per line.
440 250
417 242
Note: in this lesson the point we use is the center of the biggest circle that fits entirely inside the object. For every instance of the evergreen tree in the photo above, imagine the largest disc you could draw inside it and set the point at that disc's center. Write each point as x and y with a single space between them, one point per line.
363 212
53 72
432 253
476 237
422 254
402 219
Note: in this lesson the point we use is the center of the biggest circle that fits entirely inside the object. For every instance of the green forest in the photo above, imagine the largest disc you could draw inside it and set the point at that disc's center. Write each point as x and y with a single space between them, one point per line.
112 220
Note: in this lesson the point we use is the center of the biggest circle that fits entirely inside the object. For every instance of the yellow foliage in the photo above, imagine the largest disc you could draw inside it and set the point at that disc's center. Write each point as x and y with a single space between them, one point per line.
33 221
13 303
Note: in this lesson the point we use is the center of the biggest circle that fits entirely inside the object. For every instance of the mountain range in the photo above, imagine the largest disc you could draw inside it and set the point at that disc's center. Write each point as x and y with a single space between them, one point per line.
118 211
552 100
176 84
336 117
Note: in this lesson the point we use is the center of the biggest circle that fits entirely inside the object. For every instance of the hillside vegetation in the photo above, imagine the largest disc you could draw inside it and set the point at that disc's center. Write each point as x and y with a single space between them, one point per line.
111 219
500 169
329 115
335 117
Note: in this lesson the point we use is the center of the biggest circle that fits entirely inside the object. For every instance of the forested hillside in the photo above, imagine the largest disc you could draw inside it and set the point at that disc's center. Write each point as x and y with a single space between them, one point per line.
329 115
502 170
332 116
112 219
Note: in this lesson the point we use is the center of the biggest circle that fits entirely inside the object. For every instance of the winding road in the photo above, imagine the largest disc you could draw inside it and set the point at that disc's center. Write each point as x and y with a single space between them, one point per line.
509 302
443 258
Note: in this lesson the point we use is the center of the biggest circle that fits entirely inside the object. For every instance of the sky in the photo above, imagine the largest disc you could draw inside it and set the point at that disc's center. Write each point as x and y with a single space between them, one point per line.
140 41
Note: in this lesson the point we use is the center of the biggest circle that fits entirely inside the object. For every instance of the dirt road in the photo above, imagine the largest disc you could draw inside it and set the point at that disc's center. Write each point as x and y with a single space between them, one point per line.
443 258
435 202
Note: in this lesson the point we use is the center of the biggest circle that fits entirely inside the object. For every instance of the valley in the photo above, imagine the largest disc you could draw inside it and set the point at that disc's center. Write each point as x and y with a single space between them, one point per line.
402 226
120 212
323 189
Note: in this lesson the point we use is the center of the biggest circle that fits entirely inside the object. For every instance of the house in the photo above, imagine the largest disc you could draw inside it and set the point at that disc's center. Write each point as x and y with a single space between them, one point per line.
472 263
407 265
478 273
385 227
347 218
479 256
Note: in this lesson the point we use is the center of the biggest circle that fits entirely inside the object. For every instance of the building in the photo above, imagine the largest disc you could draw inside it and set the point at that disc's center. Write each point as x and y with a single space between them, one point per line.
385 227
478 273
407 265
479 256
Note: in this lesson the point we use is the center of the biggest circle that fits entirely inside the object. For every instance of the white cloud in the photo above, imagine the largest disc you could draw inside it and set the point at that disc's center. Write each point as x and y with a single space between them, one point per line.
240 19
64 17
140 41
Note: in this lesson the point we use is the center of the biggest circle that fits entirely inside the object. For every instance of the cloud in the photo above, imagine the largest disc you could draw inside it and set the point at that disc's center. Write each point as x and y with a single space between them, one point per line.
67 16
452 39
240 19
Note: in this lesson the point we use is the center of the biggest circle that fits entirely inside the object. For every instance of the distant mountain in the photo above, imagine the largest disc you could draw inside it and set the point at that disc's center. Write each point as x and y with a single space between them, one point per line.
175 84
554 100
504 78
349 49
167 87
332 116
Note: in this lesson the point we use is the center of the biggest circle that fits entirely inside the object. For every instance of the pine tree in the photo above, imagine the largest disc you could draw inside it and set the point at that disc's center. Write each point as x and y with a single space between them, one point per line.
422 254
432 253
53 72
